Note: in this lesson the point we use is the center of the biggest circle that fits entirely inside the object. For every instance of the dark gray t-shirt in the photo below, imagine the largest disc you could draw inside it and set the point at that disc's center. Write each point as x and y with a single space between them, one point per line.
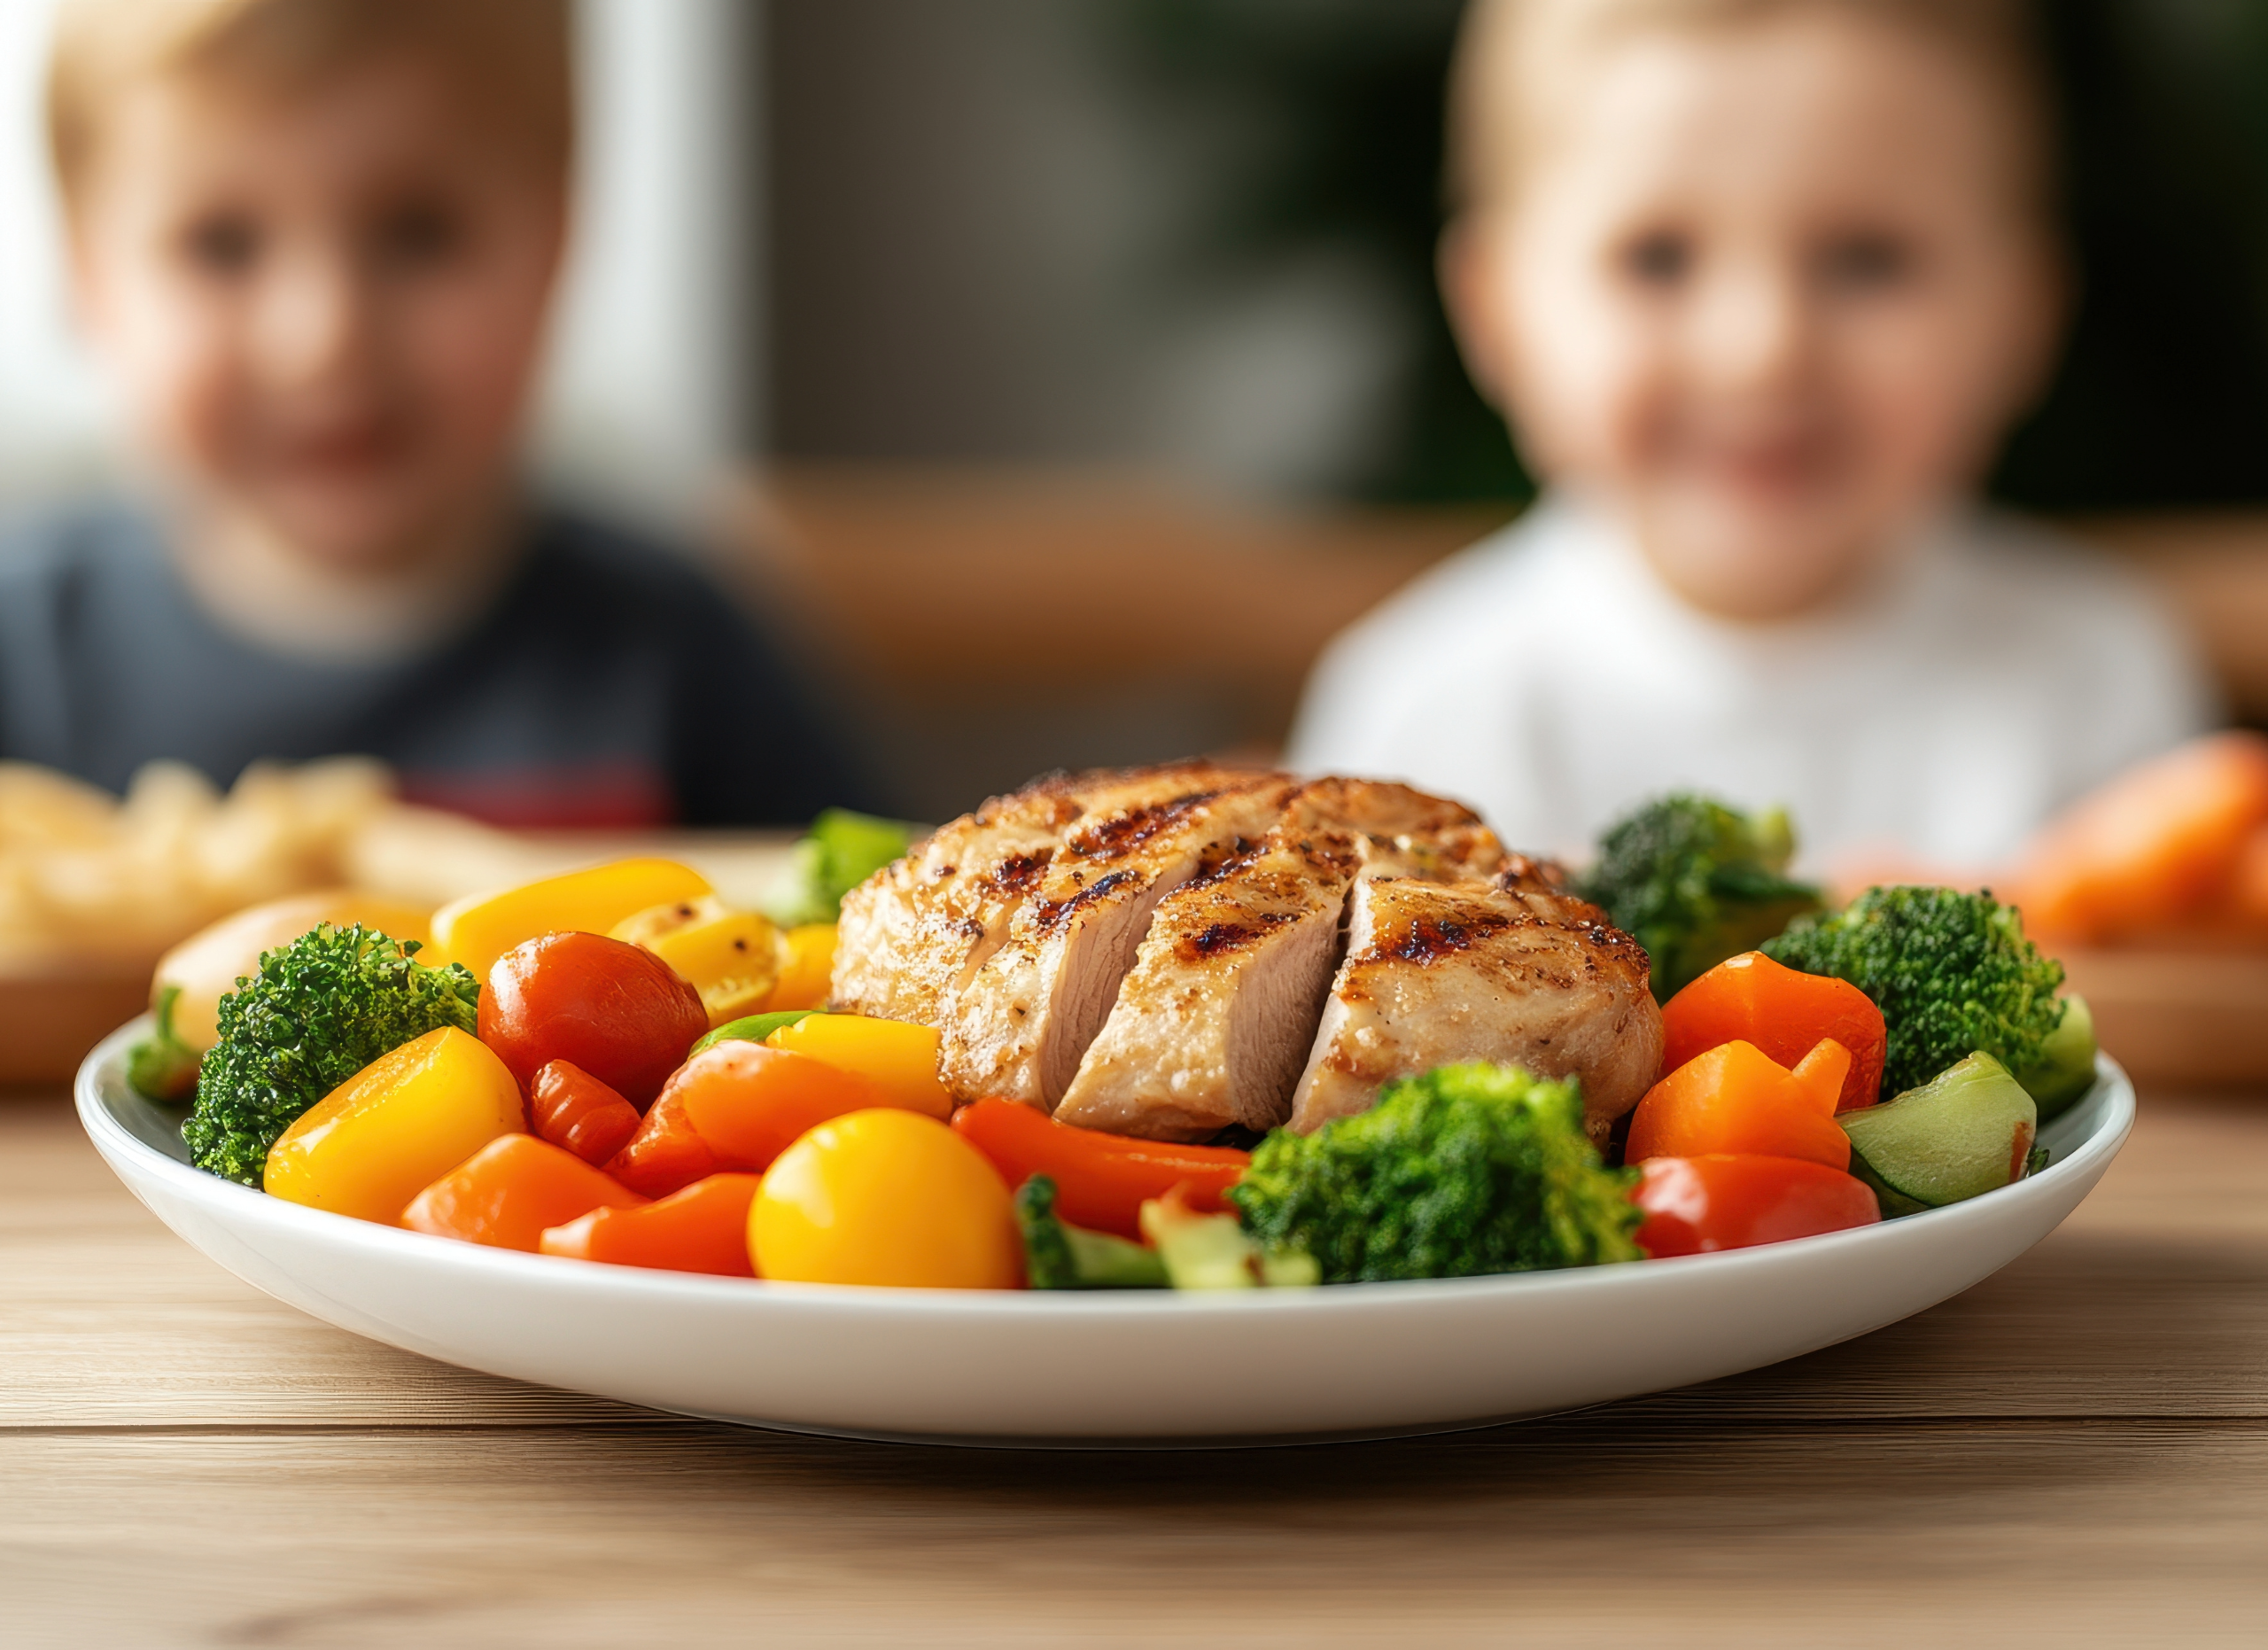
610 685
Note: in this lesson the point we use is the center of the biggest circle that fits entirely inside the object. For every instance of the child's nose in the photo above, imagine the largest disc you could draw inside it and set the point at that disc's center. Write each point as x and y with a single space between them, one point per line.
1752 329
314 323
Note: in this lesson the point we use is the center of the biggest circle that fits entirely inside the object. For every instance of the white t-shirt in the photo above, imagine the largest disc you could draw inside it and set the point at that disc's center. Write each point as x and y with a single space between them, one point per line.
1548 678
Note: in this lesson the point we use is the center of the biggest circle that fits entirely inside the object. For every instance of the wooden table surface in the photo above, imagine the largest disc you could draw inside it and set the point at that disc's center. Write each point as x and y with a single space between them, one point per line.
2074 1452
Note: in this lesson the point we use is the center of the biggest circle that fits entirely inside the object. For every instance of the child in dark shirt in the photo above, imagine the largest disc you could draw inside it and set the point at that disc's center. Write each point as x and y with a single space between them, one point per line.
314 243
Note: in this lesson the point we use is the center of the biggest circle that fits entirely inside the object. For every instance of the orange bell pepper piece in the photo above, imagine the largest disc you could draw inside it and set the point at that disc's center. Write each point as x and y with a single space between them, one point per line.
703 1228
571 1108
1101 1180
735 1107
1751 999
507 1192
1737 1098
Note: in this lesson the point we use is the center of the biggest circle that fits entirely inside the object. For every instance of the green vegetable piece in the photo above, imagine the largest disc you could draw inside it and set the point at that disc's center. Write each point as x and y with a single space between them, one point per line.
2065 1069
1695 881
751 1029
1967 1132
1201 1251
1464 1171
318 1010
1952 973
161 1066
840 849
1061 1255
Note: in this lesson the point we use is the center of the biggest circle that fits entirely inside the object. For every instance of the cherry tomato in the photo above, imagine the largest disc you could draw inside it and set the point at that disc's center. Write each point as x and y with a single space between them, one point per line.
1697 1205
570 1108
616 1010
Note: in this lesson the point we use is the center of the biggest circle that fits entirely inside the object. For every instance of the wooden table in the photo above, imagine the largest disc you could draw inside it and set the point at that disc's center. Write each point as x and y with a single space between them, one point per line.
2074 1452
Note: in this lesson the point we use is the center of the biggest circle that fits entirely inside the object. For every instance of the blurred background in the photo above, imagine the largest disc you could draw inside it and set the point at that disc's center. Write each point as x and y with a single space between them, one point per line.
979 337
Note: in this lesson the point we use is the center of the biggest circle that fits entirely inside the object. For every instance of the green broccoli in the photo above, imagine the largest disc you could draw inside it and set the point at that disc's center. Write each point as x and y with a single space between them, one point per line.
320 1009
1952 973
1695 881
840 849
1061 1255
161 1066
1467 1170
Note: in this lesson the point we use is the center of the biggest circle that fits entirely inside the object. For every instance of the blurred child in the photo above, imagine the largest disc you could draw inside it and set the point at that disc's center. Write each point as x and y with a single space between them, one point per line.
314 243
1760 286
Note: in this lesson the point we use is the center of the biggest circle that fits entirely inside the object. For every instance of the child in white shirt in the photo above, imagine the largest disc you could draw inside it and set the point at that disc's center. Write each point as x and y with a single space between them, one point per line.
1760 285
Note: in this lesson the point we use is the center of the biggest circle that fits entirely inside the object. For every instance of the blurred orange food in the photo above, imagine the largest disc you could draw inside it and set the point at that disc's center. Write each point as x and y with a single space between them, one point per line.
2178 845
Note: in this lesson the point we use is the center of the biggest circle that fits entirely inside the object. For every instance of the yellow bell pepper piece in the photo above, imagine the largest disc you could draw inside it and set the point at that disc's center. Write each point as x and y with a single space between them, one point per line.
478 929
732 958
898 1059
395 1128
806 966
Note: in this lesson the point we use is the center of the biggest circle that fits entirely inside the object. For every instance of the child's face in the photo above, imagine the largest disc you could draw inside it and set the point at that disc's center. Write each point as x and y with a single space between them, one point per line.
322 310
1767 291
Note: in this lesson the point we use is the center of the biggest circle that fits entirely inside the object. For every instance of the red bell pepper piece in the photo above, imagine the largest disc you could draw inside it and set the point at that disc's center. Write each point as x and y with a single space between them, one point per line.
1751 999
1696 1205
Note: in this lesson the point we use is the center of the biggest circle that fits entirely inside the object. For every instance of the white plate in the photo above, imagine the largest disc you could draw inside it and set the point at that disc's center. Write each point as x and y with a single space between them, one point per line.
1127 1368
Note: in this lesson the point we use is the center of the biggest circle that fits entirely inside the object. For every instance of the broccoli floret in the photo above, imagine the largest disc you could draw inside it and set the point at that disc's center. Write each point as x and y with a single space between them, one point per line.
840 849
320 1009
1695 881
1952 973
1059 1256
1466 1169
161 1066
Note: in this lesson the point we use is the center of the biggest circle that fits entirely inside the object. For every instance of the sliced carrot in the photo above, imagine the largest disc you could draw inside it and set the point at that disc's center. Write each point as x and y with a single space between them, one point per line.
1751 999
1101 1180
2151 848
1737 1098
703 1228
506 1193
735 1107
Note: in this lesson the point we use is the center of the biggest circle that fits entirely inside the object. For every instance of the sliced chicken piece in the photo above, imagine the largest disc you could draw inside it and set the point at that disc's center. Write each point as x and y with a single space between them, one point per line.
1024 1018
911 933
1500 970
1214 1021
1402 832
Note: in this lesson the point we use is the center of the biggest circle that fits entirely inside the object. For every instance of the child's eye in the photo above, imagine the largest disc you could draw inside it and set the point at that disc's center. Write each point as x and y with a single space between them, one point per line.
417 233
1659 258
224 244
1865 263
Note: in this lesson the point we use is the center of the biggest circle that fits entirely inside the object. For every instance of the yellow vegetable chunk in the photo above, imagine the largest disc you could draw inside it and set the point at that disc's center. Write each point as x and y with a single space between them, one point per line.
806 967
395 1128
208 965
478 929
886 1199
899 1059
732 958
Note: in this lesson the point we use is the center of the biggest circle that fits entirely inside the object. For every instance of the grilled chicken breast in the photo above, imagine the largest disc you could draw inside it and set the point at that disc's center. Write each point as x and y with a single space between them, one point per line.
1500 968
1212 1025
1026 1014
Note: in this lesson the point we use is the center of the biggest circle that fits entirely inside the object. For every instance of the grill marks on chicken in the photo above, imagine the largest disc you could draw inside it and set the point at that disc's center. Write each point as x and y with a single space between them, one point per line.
1501 968
1162 952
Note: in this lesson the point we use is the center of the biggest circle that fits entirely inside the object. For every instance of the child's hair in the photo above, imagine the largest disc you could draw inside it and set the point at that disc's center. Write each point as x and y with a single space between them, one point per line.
518 54
1998 37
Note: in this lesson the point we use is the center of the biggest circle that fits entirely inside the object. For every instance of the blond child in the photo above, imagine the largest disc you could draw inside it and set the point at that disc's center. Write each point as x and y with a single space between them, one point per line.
315 245
1760 285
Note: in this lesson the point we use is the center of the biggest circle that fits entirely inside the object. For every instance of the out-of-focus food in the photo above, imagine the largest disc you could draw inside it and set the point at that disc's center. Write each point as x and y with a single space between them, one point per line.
1696 881
614 1010
1463 1170
212 962
1951 972
572 1109
1700 1205
703 1228
480 927
319 1011
1967 1132
1154 952
87 877
806 965
510 1191
1737 1098
840 849
1751 999
396 1127
732 958
2166 847
885 1198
